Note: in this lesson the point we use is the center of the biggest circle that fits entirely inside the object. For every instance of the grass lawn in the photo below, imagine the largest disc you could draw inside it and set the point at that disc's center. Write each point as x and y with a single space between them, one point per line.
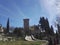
21 43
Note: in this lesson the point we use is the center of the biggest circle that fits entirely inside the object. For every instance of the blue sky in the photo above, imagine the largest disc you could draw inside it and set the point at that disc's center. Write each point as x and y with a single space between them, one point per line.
17 10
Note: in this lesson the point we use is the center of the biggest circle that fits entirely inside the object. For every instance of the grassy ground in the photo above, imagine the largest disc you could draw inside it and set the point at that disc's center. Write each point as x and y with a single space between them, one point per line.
21 43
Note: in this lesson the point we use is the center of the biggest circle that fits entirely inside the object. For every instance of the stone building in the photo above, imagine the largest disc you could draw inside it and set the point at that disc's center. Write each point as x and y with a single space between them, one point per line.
26 26
1 32
28 35
1 29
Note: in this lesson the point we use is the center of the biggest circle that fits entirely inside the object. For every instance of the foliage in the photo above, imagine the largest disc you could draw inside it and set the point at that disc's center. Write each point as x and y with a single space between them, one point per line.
7 30
51 31
45 26
57 23
18 32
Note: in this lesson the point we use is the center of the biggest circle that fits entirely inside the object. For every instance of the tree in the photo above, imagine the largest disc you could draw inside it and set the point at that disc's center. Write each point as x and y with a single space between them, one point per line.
18 32
52 31
7 30
58 27
56 33
45 25
57 37
57 23
42 22
50 41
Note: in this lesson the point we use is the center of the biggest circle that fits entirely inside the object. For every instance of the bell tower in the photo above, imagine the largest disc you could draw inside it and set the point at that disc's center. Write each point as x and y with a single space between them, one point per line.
26 26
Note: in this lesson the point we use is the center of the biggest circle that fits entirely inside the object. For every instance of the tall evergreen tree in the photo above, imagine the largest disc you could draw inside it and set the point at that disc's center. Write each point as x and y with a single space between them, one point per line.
58 27
42 22
7 30
57 33
57 23
57 37
52 30
45 25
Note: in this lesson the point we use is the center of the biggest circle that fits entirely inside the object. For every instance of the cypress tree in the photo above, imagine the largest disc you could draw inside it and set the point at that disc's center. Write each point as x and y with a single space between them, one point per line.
7 30
45 25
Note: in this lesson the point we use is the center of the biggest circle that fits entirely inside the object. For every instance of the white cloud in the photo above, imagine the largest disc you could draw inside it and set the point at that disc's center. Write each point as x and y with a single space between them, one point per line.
50 7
